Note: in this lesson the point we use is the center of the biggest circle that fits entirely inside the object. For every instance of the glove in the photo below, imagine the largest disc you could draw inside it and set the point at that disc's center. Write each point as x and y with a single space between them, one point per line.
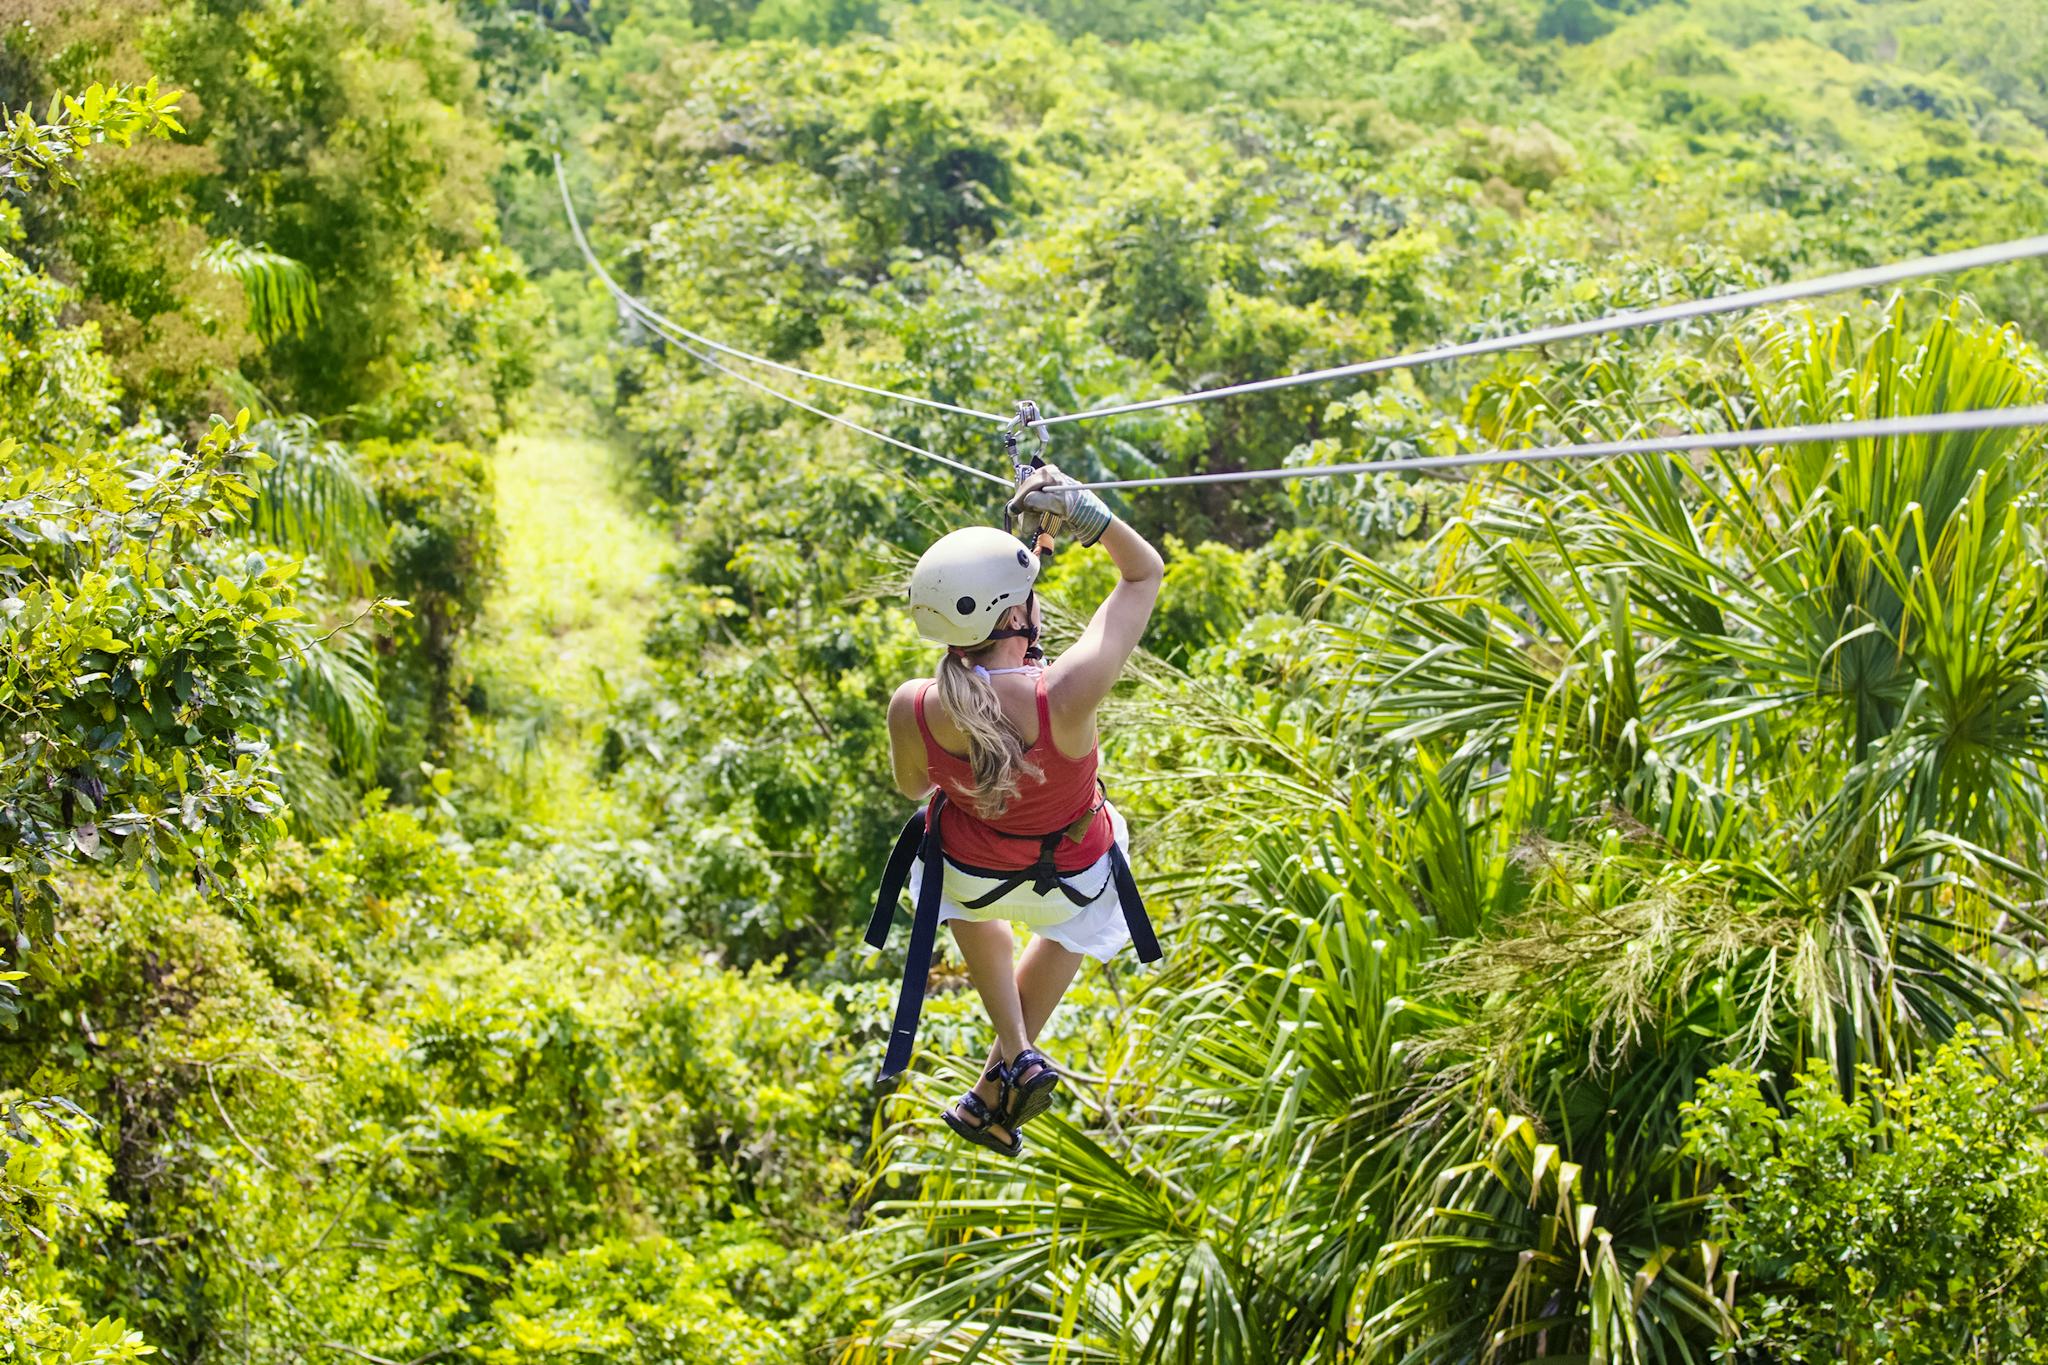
1054 494
1032 523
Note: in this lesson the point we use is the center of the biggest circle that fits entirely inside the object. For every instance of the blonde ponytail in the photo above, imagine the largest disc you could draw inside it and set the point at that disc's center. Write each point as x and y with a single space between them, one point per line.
994 748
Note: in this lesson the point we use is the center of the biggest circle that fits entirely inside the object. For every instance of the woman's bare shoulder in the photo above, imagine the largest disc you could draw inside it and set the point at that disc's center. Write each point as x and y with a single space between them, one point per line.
903 704
1060 692
1074 727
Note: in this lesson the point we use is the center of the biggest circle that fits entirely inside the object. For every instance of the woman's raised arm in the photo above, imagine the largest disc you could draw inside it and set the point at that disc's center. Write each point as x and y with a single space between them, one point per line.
1085 673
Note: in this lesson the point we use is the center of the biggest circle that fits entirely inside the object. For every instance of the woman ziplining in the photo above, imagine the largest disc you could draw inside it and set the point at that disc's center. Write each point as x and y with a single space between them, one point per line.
1018 827
961 750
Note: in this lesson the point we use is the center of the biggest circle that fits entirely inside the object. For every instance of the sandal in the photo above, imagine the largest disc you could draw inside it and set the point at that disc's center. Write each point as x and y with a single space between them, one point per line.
1028 1096
978 1132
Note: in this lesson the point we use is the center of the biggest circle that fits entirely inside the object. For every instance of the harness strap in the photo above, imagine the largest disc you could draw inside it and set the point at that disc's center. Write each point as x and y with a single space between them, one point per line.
895 874
917 959
1135 919
919 841
1043 884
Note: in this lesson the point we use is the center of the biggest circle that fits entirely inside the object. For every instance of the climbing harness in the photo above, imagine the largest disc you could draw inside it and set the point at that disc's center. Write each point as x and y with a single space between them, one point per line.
919 842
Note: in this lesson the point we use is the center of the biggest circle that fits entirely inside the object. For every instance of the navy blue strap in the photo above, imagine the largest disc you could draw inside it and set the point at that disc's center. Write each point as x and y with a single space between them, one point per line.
1135 918
1042 885
917 959
894 876
920 841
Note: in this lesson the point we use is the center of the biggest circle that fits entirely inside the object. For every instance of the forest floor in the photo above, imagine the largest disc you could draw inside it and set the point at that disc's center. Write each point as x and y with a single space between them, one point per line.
560 638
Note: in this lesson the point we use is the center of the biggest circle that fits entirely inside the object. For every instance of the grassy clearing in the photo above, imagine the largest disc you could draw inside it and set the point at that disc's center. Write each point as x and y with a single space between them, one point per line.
561 636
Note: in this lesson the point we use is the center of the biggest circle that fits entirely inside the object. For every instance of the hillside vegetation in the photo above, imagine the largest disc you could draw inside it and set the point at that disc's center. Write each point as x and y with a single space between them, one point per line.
441 739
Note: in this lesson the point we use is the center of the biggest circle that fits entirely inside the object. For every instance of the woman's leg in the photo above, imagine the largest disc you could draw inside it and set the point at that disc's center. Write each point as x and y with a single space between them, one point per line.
1044 974
991 954
990 951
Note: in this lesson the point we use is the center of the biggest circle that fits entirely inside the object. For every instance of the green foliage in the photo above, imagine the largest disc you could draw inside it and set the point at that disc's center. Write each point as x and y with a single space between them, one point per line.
1900 1223
54 383
36 153
315 499
440 556
53 1204
333 682
1495 849
42 1335
1526 865
283 296
1484 835
654 1302
500 1106
1575 21
346 142
166 692
140 667
438 499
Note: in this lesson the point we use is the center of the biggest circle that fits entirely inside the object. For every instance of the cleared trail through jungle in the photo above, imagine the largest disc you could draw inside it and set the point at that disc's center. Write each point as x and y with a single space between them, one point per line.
561 633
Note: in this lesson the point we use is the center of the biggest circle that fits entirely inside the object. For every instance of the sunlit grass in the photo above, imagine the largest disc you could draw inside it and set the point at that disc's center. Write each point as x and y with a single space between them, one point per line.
561 635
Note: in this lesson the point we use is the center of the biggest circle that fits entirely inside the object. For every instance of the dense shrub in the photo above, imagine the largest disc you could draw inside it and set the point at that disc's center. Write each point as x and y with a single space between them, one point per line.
484 1082
442 559
1901 1222
335 151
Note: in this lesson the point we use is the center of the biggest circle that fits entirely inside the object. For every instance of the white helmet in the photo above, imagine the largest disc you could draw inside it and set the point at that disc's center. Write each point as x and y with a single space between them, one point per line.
966 581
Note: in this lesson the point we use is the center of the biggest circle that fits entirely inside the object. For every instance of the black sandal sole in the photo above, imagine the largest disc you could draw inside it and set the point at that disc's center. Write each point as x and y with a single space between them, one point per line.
1031 1096
981 1137
1035 1096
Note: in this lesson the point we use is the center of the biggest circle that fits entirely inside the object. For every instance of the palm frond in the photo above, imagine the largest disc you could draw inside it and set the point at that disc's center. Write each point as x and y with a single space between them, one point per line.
1634 769
283 296
335 682
314 500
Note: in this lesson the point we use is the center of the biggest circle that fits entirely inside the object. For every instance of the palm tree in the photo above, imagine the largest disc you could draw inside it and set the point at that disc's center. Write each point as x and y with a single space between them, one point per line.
313 500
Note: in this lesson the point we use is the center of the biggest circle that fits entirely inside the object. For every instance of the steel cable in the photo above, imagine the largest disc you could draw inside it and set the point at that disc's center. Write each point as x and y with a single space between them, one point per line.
677 335
583 243
1930 424
2027 248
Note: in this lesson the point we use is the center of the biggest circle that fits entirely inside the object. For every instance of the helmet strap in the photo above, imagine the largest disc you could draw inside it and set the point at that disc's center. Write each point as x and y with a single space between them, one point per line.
1024 632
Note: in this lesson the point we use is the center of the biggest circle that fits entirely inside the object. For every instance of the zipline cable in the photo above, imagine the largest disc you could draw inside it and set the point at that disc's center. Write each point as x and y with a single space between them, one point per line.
576 227
1931 424
2028 248
793 401
2022 249
674 334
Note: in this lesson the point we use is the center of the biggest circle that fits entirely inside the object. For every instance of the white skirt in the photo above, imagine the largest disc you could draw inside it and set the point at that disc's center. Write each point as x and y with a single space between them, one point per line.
1094 930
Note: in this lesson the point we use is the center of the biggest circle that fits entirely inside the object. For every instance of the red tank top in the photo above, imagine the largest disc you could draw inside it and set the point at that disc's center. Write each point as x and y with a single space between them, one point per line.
1065 793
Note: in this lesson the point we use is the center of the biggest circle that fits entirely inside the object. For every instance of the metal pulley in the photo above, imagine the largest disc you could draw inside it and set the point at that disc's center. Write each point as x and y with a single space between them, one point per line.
1031 527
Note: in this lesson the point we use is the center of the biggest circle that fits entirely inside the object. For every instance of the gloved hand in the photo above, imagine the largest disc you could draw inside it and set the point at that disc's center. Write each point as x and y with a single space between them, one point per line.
1032 523
1052 493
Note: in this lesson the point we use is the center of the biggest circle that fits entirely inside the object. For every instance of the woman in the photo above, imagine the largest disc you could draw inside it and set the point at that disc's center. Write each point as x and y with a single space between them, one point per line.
1018 822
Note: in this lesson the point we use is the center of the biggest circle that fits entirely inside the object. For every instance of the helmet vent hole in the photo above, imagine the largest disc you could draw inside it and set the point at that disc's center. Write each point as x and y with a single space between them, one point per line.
1023 560
965 606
